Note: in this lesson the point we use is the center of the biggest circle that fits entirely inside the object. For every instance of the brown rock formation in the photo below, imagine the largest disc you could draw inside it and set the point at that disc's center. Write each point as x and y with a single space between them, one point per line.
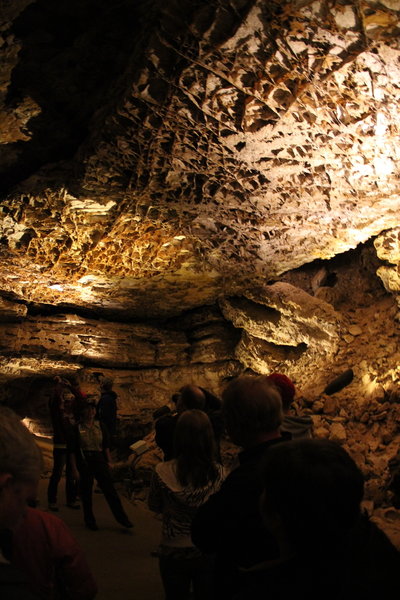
162 162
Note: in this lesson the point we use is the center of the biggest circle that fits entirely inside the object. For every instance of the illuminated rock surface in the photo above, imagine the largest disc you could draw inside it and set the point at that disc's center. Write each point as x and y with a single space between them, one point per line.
191 189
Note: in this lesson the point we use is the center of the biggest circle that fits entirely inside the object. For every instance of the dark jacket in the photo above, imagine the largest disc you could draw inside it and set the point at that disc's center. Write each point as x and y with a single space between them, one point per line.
106 410
364 567
229 524
164 438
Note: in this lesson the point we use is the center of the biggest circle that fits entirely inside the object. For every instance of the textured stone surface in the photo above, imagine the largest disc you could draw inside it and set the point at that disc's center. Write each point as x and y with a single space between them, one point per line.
236 152
285 315
224 143
11 311
95 342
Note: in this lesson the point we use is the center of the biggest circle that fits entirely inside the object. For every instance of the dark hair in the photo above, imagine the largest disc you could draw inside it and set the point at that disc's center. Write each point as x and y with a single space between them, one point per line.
191 396
195 449
251 405
106 384
73 381
316 489
175 397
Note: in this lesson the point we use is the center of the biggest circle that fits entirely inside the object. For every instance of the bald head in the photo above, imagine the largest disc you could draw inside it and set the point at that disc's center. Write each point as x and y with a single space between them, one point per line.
252 410
191 397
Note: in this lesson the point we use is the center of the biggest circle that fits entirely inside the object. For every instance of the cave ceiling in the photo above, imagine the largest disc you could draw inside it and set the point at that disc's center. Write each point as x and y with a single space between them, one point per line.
157 155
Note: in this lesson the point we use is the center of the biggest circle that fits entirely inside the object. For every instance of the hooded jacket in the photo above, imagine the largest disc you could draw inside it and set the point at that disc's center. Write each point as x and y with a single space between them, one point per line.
297 426
178 504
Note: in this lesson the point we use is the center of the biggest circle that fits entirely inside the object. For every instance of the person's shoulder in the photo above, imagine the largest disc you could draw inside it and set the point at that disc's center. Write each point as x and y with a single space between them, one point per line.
108 395
39 524
213 403
166 421
38 516
56 531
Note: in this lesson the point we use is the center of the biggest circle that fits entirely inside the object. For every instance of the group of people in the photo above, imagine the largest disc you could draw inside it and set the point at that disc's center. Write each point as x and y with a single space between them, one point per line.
39 557
285 522
83 431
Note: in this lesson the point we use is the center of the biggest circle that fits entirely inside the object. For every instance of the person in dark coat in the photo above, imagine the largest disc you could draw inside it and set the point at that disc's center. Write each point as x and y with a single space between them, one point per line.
90 449
106 411
328 548
229 524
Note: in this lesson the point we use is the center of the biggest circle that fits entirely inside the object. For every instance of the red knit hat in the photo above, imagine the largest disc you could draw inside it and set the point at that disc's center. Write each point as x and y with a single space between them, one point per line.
285 386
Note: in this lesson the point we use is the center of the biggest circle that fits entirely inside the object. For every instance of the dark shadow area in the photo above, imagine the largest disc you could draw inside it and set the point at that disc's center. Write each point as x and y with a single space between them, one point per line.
288 353
72 59
351 274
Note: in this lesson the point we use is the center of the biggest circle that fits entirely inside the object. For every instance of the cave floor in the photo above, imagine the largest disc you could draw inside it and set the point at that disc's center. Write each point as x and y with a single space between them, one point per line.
120 559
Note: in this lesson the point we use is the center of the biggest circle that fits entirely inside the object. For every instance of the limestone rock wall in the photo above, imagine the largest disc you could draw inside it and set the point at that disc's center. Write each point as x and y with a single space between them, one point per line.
284 326
388 249
147 363
223 144
207 155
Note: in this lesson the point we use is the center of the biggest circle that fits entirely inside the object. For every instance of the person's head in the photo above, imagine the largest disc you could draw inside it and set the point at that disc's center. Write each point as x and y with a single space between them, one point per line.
252 410
312 493
106 384
286 388
194 448
20 466
191 396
